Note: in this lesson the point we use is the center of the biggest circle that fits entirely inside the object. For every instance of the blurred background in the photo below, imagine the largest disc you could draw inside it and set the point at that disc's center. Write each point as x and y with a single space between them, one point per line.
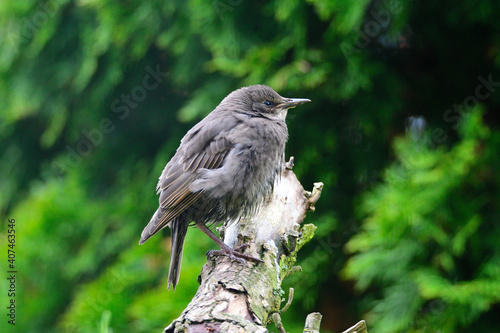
403 129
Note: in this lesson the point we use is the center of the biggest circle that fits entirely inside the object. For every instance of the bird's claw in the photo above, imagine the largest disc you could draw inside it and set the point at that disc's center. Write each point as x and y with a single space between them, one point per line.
234 254
241 248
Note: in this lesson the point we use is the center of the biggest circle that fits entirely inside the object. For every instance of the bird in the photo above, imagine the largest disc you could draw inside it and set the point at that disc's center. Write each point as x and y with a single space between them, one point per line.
223 169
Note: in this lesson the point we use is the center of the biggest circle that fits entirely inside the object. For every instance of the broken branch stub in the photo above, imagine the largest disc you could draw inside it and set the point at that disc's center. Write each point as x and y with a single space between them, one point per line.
237 296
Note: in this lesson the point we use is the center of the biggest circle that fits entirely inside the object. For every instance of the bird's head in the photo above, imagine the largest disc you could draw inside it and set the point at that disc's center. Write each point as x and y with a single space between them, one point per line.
262 101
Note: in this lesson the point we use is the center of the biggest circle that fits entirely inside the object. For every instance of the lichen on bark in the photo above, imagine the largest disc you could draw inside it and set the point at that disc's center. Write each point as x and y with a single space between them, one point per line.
237 296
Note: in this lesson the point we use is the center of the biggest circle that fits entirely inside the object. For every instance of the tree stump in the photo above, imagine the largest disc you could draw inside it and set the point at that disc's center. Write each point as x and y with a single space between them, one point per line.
237 296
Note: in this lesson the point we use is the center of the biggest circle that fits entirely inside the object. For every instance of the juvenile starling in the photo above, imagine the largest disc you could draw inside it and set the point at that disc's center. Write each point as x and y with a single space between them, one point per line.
223 169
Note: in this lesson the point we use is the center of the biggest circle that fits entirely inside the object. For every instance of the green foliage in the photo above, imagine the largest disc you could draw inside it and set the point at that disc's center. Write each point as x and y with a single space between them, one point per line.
419 242
97 94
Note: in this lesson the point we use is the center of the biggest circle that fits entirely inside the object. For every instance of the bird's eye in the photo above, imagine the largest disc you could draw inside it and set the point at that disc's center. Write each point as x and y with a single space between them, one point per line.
268 103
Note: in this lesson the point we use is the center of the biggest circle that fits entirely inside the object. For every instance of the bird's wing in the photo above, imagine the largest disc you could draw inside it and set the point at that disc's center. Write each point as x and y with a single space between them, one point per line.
180 172
173 185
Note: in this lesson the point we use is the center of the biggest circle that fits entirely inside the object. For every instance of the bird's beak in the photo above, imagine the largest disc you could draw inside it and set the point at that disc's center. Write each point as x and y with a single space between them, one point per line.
292 102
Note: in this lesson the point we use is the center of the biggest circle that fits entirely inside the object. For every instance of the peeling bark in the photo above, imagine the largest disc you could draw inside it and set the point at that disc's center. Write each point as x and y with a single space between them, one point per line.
236 296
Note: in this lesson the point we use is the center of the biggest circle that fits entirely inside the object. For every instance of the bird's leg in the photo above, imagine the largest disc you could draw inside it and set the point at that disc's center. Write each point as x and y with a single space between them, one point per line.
224 248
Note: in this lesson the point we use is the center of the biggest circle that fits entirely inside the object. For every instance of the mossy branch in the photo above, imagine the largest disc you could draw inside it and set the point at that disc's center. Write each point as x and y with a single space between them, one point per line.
237 296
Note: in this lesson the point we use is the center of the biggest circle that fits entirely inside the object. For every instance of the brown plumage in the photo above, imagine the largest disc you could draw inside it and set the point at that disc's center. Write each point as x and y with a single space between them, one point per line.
223 169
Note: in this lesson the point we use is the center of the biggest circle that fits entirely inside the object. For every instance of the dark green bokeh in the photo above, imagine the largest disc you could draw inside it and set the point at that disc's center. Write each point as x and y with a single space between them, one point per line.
96 95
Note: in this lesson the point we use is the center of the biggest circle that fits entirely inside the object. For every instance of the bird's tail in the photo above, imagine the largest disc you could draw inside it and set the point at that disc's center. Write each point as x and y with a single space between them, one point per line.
179 229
